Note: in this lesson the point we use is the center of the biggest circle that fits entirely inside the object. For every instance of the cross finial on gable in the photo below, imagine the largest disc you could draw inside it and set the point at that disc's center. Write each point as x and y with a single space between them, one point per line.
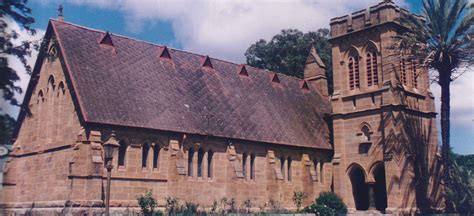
60 12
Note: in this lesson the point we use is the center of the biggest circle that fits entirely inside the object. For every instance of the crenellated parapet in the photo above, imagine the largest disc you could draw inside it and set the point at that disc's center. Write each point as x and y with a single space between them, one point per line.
384 12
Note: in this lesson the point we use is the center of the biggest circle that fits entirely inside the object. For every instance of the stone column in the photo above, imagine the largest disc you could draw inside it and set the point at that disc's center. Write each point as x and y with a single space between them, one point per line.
371 187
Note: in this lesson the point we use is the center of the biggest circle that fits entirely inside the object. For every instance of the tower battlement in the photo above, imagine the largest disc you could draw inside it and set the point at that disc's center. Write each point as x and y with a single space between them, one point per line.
384 12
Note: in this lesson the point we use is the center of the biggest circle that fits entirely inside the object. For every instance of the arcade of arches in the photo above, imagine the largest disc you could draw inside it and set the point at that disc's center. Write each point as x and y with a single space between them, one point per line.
369 191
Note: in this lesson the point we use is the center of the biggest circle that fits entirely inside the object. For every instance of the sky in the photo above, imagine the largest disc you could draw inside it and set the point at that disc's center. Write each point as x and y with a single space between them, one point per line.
224 29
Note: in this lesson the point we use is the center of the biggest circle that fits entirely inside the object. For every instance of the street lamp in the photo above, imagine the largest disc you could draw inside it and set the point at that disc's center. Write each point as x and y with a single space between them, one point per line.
109 148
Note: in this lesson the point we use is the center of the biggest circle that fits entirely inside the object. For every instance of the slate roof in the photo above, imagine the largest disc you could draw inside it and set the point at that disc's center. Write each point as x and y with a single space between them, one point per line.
128 84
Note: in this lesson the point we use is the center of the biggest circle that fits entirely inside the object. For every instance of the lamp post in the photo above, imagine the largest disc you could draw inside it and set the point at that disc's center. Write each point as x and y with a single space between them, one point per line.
109 148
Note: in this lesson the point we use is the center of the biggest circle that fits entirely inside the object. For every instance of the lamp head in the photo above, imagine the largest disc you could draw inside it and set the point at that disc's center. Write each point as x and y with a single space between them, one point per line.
110 145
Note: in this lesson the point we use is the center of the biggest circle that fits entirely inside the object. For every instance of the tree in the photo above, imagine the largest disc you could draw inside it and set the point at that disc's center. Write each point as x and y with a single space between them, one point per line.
286 52
442 41
17 11
7 125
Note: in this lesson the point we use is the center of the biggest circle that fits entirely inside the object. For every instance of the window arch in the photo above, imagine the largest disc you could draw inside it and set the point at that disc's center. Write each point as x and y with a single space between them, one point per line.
50 83
145 150
190 161
156 156
365 133
353 67
252 166
122 153
244 165
282 166
200 159
372 69
321 172
61 89
40 96
288 175
210 154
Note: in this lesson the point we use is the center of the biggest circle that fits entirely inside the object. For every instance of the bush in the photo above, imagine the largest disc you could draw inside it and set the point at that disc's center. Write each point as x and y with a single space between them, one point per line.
147 203
333 201
298 198
191 208
320 210
172 205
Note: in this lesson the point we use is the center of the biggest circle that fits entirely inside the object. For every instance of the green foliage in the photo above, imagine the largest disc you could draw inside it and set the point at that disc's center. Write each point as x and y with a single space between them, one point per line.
147 203
7 125
444 41
333 201
247 205
214 207
286 52
191 208
298 198
320 210
172 205
19 12
461 192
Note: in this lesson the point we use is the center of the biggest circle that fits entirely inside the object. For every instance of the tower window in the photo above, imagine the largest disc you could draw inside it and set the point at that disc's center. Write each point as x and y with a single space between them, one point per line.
372 73
321 172
366 133
353 65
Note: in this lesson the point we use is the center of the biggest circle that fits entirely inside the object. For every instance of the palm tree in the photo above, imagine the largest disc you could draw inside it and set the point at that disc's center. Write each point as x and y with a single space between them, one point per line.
443 41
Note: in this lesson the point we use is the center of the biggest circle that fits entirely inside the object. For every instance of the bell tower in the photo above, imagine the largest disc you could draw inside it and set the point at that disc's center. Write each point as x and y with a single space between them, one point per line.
384 120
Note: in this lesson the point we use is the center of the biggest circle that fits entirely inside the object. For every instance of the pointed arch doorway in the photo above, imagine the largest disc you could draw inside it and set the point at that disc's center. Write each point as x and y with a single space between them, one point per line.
369 193
380 190
360 190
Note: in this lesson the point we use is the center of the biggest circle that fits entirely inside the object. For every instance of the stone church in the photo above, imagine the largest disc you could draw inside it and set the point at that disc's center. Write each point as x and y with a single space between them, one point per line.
200 129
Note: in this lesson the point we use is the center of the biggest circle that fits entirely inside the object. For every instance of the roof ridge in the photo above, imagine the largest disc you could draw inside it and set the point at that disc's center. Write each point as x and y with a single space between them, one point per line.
172 48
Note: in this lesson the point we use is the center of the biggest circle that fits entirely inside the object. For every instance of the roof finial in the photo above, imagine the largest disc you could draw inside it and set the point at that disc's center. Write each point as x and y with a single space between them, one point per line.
60 12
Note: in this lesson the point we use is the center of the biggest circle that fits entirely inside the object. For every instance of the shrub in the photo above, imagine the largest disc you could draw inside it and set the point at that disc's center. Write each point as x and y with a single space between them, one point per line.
214 207
147 203
298 198
232 205
190 208
320 210
247 205
172 205
333 201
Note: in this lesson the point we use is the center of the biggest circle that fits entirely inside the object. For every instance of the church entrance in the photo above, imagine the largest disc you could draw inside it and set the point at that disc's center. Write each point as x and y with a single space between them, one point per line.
380 188
369 195
359 188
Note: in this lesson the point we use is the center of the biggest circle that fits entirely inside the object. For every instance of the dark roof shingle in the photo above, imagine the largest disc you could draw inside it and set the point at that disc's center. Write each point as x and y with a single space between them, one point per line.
130 85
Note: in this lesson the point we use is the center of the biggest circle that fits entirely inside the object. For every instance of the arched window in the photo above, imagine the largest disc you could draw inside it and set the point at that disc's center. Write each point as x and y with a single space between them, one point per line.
145 150
252 166
190 161
282 166
372 73
61 90
40 97
414 75
50 83
209 163
244 165
403 72
353 65
289 169
156 156
200 159
122 153
315 167
321 173
365 133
